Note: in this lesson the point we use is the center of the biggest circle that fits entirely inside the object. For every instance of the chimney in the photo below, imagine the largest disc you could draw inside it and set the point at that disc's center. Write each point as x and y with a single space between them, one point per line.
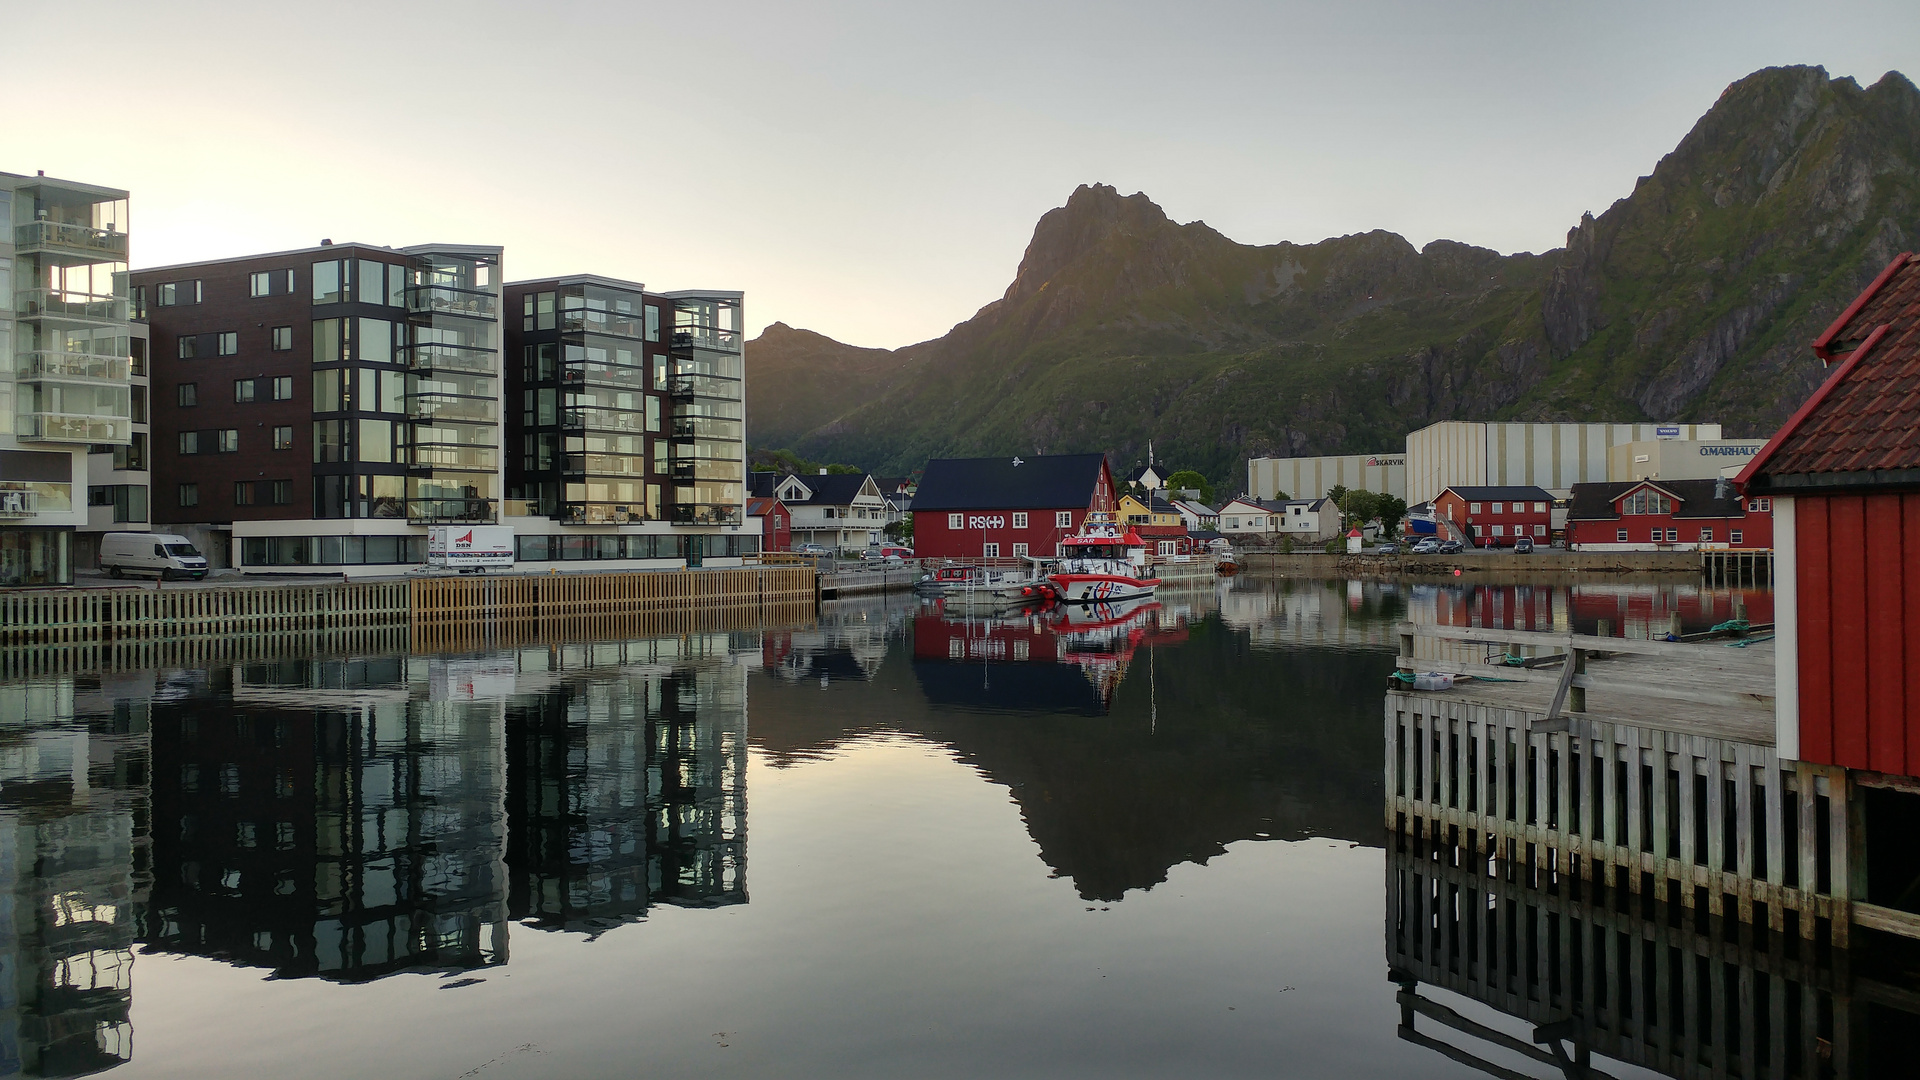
823 470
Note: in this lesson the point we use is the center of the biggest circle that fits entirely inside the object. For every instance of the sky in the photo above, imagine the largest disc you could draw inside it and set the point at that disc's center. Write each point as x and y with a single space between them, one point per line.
873 171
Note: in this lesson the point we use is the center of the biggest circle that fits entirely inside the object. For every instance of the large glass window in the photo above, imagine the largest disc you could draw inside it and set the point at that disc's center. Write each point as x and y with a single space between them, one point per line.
370 287
260 283
329 440
326 282
326 391
282 338
329 340
373 341
375 441
187 394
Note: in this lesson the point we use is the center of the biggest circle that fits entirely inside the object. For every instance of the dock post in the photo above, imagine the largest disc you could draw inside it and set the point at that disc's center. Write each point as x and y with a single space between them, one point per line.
1673 625
1577 695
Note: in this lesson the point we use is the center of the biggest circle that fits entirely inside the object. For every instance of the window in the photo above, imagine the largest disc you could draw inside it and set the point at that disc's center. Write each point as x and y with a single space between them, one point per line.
990 551
1657 535
189 495
1620 535
229 344
1498 508
283 438
166 295
1476 530
1539 530
259 283
326 282
283 388
189 346
374 440
187 394
1063 519
828 512
956 521
283 493
1019 551
329 340
1539 508
1499 530
243 390
243 493
370 284
1673 536
1646 502
227 441
137 355
1019 519
137 403
1473 508
1759 506
189 442
1706 536
196 291
282 338
326 391
1736 536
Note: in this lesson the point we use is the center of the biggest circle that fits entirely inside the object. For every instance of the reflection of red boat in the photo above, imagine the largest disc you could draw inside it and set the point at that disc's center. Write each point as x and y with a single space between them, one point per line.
1099 639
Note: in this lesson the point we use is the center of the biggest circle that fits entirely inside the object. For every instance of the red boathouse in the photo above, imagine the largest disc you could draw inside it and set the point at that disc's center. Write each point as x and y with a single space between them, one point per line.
973 508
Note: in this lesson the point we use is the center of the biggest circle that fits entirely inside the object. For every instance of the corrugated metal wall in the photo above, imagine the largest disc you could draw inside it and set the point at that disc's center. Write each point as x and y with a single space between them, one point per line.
1552 456
1857 581
1312 477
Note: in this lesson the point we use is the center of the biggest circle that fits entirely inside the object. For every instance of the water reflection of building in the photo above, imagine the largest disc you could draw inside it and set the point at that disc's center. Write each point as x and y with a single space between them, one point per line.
1066 658
1304 612
74 857
1604 974
348 819
626 784
848 642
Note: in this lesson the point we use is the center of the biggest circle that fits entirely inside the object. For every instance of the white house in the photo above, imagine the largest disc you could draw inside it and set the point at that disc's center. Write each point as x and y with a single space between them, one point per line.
1197 516
841 512
1304 520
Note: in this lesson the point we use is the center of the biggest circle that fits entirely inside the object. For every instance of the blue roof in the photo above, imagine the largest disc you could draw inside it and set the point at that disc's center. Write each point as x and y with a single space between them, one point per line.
1042 482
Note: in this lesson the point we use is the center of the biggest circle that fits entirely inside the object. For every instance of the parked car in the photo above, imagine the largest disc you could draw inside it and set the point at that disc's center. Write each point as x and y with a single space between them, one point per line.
811 549
1429 546
886 553
1449 547
1388 548
1523 546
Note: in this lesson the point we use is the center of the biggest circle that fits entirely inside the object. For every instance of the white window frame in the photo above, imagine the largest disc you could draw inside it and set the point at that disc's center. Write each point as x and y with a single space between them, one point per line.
1496 509
1539 508
1473 508
1499 530
1706 536
1019 551
1620 535
1019 519
956 521
1738 536
1063 519
1673 536
1539 530
990 551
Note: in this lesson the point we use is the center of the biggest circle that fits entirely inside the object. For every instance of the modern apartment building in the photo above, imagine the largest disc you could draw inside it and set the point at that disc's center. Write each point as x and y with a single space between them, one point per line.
119 479
64 365
625 422
319 408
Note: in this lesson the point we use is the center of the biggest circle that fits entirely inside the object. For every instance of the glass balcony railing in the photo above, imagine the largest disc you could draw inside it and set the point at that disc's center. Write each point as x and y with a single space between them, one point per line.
29 303
589 321
452 408
66 365
706 337
706 514
604 420
104 245
448 301
703 386
458 510
70 428
450 358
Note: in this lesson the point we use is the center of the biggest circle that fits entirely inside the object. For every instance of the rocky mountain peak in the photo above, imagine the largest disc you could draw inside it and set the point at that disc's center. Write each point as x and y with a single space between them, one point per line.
1094 217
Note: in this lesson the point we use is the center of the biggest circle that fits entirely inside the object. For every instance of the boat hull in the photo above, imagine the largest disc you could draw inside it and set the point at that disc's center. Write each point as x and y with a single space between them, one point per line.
1101 588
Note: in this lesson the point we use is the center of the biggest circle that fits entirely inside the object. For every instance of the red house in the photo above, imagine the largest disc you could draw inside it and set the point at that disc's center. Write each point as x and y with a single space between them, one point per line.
972 508
1667 515
776 523
1844 477
1497 516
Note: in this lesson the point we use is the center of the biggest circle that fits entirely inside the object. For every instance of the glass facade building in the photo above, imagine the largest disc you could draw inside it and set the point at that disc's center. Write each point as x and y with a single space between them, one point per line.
64 363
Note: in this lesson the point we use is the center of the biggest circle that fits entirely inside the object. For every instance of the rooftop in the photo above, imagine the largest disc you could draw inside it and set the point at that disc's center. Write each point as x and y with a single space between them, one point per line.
1042 482
1507 493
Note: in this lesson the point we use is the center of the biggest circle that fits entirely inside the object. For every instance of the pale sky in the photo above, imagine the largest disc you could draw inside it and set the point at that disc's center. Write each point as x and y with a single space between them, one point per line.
874 170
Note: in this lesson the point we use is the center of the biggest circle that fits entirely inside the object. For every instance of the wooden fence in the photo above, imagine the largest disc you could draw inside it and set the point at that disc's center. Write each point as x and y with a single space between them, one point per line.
97 615
443 599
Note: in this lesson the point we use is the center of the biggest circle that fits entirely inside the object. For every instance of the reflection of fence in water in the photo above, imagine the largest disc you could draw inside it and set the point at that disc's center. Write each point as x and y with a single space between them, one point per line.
1618 975
196 652
467 635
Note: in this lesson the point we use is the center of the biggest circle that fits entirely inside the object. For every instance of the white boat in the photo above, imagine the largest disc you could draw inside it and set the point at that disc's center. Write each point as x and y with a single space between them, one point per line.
1102 563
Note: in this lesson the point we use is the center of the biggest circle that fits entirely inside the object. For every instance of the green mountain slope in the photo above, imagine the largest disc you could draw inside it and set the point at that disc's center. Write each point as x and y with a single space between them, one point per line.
1691 299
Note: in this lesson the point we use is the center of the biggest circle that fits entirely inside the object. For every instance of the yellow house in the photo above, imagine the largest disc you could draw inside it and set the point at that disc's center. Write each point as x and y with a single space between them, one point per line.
1156 512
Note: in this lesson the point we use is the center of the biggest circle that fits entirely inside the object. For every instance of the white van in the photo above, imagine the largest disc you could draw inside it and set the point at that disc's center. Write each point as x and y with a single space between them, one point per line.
162 554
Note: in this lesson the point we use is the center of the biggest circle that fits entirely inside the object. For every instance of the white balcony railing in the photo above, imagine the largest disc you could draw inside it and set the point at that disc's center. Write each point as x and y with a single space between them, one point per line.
69 428
47 364
16 504
28 303
107 244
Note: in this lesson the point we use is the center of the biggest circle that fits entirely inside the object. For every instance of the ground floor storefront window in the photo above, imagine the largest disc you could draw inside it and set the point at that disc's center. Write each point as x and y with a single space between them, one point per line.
36 557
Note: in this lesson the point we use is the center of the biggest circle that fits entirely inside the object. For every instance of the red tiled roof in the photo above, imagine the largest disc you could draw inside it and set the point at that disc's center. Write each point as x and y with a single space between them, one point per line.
1866 417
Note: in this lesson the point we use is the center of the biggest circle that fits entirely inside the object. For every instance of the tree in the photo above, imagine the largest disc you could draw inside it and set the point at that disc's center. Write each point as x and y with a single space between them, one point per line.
1336 493
1392 509
1359 506
844 470
901 530
1192 480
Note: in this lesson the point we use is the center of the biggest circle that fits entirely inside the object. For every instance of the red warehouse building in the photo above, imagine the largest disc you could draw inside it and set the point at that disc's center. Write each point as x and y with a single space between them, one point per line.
1667 515
1497 516
972 508
1844 477
776 523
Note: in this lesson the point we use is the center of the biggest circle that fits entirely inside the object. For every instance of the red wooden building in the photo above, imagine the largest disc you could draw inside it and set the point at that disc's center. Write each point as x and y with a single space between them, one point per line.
776 523
1844 477
971 508
1497 516
1667 515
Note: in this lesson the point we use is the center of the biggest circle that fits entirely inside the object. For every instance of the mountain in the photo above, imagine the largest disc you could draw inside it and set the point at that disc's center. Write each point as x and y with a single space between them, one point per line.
1693 298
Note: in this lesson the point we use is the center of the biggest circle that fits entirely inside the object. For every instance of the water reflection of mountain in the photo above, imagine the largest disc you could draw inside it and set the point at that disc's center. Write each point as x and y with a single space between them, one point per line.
1204 740
349 819
74 867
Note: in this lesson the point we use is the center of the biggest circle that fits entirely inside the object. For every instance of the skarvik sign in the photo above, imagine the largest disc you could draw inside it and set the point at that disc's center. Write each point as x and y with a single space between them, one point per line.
983 521
1389 461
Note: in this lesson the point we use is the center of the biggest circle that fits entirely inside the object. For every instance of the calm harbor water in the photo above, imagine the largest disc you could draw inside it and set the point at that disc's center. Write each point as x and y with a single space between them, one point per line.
1134 842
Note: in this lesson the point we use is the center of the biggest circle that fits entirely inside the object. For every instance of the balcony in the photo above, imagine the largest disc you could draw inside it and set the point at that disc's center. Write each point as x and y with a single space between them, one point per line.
590 321
461 511
17 504
442 300
438 409
450 358
45 364
706 337
705 514
70 428
84 307
61 238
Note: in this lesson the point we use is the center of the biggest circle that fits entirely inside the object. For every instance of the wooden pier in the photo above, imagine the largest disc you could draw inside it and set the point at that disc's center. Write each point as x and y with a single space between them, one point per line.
1737 567
1641 766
